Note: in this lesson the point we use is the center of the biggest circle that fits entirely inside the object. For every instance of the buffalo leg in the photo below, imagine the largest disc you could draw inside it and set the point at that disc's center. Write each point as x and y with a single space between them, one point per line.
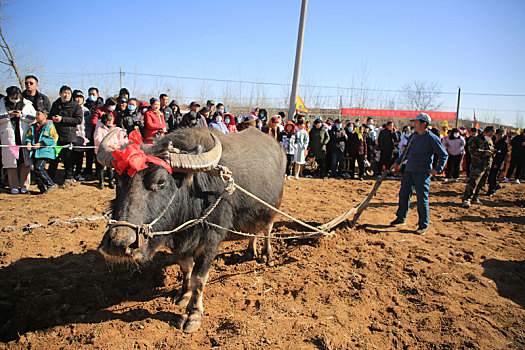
184 295
192 318
268 246
251 252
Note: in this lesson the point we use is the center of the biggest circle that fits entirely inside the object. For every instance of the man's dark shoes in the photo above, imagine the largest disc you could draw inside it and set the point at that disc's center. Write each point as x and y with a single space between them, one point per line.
420 231
397 222
67 183
111 184
51 188
476 201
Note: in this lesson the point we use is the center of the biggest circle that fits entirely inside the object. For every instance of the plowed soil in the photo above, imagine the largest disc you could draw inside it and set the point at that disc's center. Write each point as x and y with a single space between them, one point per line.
460 286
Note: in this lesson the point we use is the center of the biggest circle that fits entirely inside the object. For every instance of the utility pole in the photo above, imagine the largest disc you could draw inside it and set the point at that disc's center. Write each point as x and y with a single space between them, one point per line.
457 108
298 56
121 77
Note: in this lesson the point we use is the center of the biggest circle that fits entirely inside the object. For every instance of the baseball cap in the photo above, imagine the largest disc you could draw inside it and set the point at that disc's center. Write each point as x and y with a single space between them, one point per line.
423 117
122 99
210 102
500 131
195 103
77 93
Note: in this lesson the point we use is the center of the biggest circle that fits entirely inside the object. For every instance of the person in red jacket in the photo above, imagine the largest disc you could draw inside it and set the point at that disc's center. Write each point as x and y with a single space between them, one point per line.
229 120
109 108
154 123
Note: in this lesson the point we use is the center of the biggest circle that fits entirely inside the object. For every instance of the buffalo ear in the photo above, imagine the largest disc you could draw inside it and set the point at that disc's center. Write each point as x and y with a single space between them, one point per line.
199 149
188 179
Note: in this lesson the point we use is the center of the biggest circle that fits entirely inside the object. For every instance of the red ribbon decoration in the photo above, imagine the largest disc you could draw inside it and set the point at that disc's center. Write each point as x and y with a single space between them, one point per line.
133 158
135 137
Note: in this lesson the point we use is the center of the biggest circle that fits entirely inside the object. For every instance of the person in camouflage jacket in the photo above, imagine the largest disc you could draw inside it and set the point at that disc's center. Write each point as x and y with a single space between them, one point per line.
481 148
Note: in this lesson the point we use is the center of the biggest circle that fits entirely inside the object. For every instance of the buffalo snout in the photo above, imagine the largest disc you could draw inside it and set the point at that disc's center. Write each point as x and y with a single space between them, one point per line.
118 242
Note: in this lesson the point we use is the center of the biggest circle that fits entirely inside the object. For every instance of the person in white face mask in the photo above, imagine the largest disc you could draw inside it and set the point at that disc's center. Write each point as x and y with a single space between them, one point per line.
455 146
218 124
109 106
481 148
16 116
92 102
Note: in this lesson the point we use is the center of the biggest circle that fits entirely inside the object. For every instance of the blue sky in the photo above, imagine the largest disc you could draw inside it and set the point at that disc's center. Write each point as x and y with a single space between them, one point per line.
478 45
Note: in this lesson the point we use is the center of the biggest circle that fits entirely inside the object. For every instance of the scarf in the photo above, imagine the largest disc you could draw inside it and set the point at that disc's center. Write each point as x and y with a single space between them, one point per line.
359 134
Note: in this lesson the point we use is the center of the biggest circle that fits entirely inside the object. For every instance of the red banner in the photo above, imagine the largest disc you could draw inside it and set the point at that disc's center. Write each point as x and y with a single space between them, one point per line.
392 113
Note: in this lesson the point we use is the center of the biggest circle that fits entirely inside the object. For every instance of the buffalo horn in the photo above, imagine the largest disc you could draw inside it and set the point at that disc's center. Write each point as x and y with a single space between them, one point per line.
104 156
196 162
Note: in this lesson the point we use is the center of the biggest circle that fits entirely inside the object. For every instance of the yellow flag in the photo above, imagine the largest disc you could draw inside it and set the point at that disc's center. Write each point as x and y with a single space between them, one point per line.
299 105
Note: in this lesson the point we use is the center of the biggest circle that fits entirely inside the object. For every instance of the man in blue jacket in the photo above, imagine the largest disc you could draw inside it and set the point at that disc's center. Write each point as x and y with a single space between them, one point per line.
422 146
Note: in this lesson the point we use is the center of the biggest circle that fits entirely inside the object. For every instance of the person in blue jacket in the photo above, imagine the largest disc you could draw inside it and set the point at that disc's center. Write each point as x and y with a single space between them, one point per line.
42 134
423 144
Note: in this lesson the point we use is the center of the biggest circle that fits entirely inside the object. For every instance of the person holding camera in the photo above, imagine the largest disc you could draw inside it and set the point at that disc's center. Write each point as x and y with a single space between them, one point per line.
16 116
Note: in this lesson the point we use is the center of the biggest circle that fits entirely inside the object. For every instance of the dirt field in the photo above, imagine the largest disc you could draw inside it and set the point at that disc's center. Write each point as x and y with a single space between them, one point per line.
462 285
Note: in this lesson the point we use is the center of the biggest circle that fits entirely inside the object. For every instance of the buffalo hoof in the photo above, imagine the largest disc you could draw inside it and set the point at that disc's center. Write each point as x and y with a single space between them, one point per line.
266 260
190 323
250 254
183 300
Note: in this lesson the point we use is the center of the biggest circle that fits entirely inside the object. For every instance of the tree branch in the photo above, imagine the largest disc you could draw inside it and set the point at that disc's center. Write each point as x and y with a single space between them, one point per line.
9 56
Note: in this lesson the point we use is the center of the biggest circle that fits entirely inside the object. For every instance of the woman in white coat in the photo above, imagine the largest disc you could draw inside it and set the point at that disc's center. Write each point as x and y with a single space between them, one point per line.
16 114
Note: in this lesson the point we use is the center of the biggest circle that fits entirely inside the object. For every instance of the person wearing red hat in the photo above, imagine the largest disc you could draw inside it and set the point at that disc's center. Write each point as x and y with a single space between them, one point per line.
229 120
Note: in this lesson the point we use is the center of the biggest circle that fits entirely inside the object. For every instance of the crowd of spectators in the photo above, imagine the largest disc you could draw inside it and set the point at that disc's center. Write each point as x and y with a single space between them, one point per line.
70 129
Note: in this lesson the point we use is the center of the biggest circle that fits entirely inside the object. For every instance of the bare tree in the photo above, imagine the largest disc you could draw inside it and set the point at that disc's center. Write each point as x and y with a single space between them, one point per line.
363 95
519 120
8 58
204 91
421 95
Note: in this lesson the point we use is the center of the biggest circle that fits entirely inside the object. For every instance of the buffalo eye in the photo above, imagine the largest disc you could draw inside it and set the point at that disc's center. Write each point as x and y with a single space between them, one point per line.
159 184
155 181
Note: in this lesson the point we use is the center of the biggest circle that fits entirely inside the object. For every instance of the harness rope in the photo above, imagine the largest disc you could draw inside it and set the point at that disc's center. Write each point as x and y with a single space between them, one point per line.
226 176
146 230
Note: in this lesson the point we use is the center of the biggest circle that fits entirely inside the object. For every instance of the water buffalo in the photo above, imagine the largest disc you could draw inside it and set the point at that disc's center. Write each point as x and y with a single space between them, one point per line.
257 163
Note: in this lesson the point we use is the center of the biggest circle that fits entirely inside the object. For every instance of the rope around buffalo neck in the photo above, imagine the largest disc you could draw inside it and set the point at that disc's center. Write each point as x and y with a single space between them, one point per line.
146 229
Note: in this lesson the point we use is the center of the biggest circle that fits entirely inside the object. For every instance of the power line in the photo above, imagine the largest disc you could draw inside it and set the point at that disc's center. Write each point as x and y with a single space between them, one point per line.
281 84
